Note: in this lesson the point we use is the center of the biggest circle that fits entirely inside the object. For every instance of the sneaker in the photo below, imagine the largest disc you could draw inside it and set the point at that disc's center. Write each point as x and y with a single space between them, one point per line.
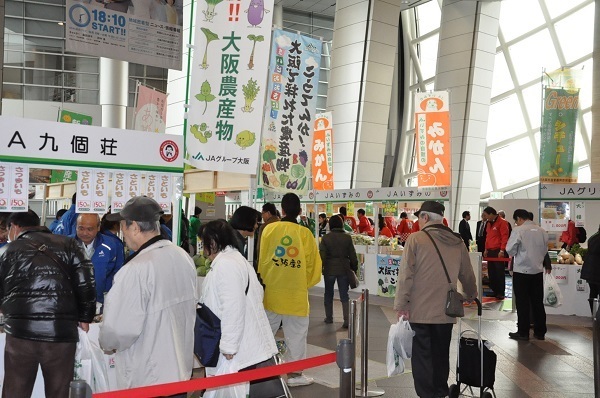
300 381
517 336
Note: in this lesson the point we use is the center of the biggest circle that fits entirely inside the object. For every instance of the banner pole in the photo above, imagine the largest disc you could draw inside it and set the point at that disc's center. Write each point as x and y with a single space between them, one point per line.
135 103
187 80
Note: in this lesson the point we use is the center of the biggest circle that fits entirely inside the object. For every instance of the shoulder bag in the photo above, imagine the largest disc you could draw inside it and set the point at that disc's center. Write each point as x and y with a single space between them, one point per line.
454 300
352 278
207 334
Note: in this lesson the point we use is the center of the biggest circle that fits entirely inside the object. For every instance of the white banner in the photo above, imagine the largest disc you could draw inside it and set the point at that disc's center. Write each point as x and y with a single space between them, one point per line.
52 143
140 31
228 85
561 273
14 188
92 191
555 225
579 191
579 210
126 185
159 188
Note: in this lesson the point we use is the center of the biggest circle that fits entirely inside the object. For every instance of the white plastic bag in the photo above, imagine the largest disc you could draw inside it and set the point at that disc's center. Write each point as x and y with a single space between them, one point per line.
99 369
240 390
552 294
403 338
395 363
83 359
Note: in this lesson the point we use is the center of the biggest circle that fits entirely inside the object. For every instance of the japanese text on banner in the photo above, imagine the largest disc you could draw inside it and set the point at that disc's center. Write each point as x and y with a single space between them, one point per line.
92 191
433 139
126 185
158 187
288 129
322 152
387 274
150 110
14 188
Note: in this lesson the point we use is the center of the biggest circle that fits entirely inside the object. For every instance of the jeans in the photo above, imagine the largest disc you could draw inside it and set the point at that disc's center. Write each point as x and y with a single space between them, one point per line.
343 287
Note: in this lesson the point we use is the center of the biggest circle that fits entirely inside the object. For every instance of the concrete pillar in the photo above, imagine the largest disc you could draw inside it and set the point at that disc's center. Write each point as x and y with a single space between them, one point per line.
278 15
362 69
595 146
2 13
465 66
114 77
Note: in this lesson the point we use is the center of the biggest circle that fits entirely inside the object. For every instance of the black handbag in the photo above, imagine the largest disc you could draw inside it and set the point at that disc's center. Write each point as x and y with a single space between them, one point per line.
207 335
454 300
469 363
272 387
352 278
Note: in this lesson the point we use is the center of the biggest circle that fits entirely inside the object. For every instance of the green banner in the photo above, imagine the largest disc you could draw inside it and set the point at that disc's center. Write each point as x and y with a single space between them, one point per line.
329 209
369 209
63 176
390 209
72 117
558 136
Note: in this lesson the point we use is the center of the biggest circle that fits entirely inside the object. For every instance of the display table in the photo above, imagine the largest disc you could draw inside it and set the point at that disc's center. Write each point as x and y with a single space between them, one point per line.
575 291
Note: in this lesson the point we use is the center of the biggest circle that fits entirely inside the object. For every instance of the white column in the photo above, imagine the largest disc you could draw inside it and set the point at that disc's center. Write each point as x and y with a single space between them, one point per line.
278 15
465 66
114 77
595 146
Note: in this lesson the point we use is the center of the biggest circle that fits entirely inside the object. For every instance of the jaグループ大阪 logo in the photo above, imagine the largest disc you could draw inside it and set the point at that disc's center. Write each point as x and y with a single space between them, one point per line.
169 151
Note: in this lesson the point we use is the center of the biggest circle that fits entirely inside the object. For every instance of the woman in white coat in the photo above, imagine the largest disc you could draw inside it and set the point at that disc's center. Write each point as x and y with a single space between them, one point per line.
246 336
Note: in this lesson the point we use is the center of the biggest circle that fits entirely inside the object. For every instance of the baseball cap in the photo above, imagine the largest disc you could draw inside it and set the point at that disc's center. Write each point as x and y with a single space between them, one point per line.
431 206
139 208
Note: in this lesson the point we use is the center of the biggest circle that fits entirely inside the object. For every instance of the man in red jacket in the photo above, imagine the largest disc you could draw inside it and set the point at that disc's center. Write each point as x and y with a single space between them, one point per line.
495 246
405 228
364 226
569 237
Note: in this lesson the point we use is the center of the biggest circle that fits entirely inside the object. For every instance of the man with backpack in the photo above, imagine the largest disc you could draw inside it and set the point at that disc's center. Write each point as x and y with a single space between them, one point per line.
570 236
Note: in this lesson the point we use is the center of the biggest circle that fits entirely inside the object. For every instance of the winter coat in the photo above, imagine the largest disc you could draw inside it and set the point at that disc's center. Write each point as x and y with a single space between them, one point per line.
245 329
68 223
39 301
496 234
422 284
590 271
337 253
149 316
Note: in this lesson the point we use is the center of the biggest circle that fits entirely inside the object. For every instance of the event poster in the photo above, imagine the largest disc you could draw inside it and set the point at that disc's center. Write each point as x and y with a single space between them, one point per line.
66 116
140 31
150 110
557 145
387 274
433 139
322 152
125 185
158 187
92 191
292 100
14 187
228 85
390 208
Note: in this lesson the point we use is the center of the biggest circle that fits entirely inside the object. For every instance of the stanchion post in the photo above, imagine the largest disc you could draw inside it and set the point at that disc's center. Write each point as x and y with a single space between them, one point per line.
80 389
596 345
365 391
345 361
352 337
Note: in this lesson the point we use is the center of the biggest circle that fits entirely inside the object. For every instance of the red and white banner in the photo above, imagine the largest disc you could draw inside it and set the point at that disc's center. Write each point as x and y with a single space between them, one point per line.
322 152
14 187
150 110
433 139
159 188
92 191
125 185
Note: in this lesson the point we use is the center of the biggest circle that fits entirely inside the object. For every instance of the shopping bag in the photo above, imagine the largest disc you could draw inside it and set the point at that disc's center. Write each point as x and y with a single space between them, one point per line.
240 390
83 359
403 338
552 293
395 363
99 369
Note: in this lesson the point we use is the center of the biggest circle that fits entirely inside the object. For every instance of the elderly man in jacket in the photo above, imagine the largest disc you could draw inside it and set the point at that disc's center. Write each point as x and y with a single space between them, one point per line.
46 289
421 296
150 311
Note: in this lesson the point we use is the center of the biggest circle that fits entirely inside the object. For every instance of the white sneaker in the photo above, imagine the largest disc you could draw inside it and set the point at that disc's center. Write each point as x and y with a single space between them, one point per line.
300 381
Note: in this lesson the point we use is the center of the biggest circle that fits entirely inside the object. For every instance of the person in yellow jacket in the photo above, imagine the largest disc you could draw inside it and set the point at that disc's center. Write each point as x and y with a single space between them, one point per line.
289 264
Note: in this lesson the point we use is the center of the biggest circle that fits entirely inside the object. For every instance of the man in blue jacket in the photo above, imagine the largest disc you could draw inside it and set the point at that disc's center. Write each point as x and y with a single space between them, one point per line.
102 250
68 221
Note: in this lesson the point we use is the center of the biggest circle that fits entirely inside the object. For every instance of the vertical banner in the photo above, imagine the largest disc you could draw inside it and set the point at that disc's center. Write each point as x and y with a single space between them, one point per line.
150 110
92 191
350 209
14 187
292 101
76 118
158 187
322 152
126 185
557 145
579 210
433 139
387 274
228 84
390 208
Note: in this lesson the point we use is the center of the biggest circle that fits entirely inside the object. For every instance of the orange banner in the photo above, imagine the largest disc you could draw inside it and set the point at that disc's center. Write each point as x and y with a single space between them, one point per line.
322 153
433 139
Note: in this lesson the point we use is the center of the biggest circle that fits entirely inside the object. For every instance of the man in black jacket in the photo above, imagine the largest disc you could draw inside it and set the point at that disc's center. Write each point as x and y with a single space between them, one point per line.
464 229
480 237
47 287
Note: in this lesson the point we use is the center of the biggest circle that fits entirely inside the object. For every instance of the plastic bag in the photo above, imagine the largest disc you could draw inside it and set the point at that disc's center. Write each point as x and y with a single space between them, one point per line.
90 364
552 294
225 366
99 369
403 338
395 363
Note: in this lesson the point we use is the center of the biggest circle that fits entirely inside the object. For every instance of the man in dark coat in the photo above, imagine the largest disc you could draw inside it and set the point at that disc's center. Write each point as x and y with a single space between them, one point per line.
590 271
480 238
464 229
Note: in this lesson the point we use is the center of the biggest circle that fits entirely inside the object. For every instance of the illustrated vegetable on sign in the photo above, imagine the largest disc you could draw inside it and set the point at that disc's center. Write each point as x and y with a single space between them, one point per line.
254 39
201 132
256 12
210 13
245 139
268 156
205 95
210 36
250 90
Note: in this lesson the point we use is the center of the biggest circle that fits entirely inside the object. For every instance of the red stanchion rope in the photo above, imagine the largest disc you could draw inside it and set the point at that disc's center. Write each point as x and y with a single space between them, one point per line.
161 390
498 259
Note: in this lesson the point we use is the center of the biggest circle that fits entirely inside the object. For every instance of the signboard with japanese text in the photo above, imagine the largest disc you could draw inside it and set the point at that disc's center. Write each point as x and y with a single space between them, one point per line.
390 208
387 274
322 152
579 191
51 143
73 117
150 110
228 85
561 273
140 31
159 187
92 191
287 141
206 197
579 211
433 139
62 176
329 209
126 185
557 144
554 225
350 209
14 187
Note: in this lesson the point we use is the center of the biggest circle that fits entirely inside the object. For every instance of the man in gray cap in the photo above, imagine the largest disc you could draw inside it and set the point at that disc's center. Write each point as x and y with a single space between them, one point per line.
150 311
421 296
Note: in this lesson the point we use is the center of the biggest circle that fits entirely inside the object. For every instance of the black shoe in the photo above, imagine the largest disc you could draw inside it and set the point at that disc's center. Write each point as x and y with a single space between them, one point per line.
539 336
328 320
517 336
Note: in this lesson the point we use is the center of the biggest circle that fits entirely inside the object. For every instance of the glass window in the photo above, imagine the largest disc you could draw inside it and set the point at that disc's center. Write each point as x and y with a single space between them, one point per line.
44 44
429 17
427 50
537 138
14 8
43 61
44 11
507 171
43 77
580 151
576 33
81 96
519 17
587 122
158 73
505 120
12 91
532 55
585 83
42 28
82 64
81 80
558 7
486 182
533 104
38 93
13 42
584 175
13 58
502 81
12 75
13 25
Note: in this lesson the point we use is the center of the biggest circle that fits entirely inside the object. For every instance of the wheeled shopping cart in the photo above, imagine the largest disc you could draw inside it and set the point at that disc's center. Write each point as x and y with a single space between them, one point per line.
476 363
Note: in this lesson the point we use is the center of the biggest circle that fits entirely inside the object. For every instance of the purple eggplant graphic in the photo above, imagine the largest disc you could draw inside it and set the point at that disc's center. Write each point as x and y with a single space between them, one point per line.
256 12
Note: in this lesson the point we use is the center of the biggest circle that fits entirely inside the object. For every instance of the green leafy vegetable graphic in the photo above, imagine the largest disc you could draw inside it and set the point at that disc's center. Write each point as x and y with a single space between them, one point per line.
250 90
205 95
254 40
210 36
